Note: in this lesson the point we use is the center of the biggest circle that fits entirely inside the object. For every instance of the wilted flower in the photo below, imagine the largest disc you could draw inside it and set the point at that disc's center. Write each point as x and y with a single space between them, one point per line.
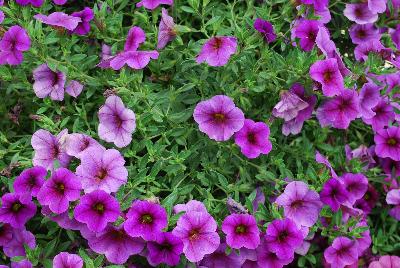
14 42
21 264
360 13
289 106
134 59
21 238
166 248
59 19
328 74
388 143
166 30
83 27
30 181
74 88
369 97
16 209
342 252
64 259
217 50
265 28
152 4
48 83
241 231
192 205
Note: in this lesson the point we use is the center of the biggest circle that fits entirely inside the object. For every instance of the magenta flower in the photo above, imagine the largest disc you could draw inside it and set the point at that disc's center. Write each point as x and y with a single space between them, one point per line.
6 234
364 33
48 149
267 258
383 115
220 258
21 264
362 50
192 205
145 219
34 3
306 31
166 248
64 259
74 88
327 73
217 50
393 198
96 209
16 209
289 106
153 4
30 181
355 184
21 238
106 57
117 122
59 19
241 231
301 205
266 29
369 97
136 36
359 13
385 262
342 252
198 232
388 143
135 59
62 187
83 27
48 83
218 117
77 144
60 2
333 194
14 42
166 30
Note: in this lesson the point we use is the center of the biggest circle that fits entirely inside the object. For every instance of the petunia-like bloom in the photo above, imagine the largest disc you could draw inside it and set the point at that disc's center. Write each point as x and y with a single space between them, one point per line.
198 232
96 209
117 122
360 13
218 117
21 238
289 106
65 259
362 50
393 198
306 31
385 262
377 6
241 231
266 29
192 205
34 3
328 74
267 258
220 258
16 209
355 184
62 187
48 83
6 234
59 19
369 97
283 237
48 149
83 27
253 138
145 219
383 115
333 194
14 42
30 180
388 143
166 248
74 88
153 4
364 33
217 50
166 30
21 264
77 144
301 204
339 111
135 59
342 252
136 36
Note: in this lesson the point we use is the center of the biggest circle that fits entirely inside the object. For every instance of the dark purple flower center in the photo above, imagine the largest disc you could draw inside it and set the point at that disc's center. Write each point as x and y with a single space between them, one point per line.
282 236
358 12
351 187
361 34
165 246
392 142
251 137
194 234
344 105
56 151
118 234
99 207
146 219
297 204
102 174
118 121
219 118
32 180
85 144
17 206
240 229
60 187
312 36
56 78
367 196
328 76
217 43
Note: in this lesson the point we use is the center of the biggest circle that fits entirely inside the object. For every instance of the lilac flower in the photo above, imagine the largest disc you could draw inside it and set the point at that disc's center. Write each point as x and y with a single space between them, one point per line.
59 19
362 50
136 36
369 97
96 209
153 4
217 50
48 148
323 160
135 59
21 238
16 209
265 28
6 234
76 144
253 138
267 258
192 205
74 88
241 231
235 207
34 3
166 30
145 219
328 74
364 33
333 194
300 204
64 259
342 252
355 184
388 143
289 106
359 13
377 6
218 117
83 27
106 57
393 198
220 258
197 230
48 83
385 262
306 31
30 181
166 248
59 190
383 115
117 122
21 264
14 42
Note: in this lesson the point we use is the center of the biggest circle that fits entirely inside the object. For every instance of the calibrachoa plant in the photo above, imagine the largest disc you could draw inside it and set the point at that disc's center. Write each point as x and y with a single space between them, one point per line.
200 133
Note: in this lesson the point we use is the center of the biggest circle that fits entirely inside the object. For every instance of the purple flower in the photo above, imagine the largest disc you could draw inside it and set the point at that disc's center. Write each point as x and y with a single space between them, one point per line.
220 258
306 31
388 143
364 33
393 198
265 28
136 36
342 252
289 106
241 231
59 190
34 3
323 160
102 170
74 88
363 242
6 234
48 149
395 34
106 57
145 219
63 219
64 259
30 181
21 238
96 209
59 19
355 184
166 30
368 99
300 204
21 264
385 262
333 194
135 59
253 138
359 13
83 27
166 248
14 42
16 209
267 258
383 115
218 117
362 50
117 122
283 237
48 83
217 50
328 74
77 144
153 4
377 6
192 205
198 232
